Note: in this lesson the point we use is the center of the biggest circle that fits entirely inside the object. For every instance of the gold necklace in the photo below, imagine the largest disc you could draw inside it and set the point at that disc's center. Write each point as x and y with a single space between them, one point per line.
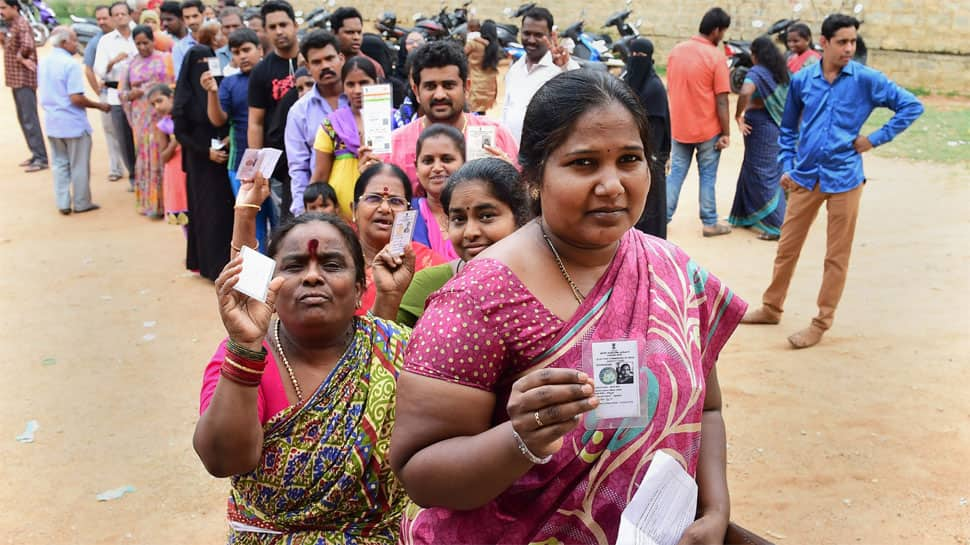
562 268
286 363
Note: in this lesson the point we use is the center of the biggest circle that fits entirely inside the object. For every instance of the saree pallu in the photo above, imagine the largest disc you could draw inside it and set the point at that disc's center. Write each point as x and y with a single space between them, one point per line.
652 292
759 201
324 476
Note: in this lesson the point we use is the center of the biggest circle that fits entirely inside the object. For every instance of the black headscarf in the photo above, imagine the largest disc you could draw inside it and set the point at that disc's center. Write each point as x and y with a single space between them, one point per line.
192 126
639 68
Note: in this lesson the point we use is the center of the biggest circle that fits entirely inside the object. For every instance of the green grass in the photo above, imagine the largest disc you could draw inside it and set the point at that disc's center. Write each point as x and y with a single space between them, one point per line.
940 134
65 8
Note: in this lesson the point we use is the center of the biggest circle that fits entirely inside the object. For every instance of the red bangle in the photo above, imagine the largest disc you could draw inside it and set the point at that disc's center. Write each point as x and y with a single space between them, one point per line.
239 377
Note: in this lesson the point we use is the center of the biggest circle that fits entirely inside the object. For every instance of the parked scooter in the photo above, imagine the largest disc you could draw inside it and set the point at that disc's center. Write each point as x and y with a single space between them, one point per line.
41 19
628 32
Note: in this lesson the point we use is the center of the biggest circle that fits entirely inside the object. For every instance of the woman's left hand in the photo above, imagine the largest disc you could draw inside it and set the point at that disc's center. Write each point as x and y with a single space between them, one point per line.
393 274
498 152
707 530
743 125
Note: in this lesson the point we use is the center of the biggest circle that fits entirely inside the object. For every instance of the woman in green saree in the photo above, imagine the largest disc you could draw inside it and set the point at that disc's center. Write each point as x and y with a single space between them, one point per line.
298 410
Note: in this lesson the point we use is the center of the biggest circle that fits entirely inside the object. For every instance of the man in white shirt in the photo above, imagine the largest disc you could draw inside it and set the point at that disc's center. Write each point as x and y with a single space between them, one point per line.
115 49
544 59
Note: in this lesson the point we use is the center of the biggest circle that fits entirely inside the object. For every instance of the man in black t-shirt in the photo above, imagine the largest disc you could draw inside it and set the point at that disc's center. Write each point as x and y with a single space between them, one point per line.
268 83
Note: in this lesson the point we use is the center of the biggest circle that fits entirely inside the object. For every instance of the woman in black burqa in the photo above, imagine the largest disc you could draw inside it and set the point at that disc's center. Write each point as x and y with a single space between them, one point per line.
643 79
206 178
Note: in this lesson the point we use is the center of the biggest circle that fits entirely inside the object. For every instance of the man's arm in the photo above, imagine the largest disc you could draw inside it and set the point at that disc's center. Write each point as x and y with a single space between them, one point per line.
887 94
297 153
254 132
788 137
81 101
92 79
724 118
101 60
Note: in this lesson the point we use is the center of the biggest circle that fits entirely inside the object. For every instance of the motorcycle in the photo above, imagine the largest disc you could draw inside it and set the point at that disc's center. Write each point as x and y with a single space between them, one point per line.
589 50
628 32
41 19
85 28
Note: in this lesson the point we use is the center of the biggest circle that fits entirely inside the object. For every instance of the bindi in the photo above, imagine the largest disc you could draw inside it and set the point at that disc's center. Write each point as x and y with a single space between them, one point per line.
312 246
386 191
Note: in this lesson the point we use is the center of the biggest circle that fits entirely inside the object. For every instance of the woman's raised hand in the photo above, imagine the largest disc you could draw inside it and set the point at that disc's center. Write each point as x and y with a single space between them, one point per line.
253 192
393 274
366 158
246 319
546 404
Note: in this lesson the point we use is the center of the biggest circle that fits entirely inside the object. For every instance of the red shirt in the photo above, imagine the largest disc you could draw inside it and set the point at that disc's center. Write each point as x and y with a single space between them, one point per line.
696 73
18 44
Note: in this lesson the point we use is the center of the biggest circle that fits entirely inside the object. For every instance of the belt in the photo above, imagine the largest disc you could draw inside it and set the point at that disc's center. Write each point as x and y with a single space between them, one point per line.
111 84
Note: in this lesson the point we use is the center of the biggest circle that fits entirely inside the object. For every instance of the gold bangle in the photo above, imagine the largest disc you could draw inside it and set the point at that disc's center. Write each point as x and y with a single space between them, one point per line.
238 249
247 205
242 367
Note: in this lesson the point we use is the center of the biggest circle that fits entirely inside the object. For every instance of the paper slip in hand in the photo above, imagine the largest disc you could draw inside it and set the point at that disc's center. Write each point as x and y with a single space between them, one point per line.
215 67
663 506
257 272
376 115
258 160
403 231
476 139
616 377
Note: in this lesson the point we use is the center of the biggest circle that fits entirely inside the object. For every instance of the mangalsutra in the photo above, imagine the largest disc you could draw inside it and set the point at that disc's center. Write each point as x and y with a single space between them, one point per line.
562 268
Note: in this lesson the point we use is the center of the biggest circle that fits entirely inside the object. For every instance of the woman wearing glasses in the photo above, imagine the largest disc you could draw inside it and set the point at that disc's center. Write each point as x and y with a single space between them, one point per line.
382 191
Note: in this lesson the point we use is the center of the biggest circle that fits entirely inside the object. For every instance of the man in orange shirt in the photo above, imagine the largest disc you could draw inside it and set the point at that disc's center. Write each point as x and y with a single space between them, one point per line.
697 82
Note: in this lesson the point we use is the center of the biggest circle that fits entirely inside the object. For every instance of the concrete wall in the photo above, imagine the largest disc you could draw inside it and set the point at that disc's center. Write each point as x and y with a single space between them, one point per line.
919 43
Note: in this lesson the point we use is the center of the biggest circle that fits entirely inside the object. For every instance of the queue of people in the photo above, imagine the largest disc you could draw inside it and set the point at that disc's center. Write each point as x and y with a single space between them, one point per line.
449 394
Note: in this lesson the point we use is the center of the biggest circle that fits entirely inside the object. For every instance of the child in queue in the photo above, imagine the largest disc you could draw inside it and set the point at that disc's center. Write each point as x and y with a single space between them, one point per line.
320 198
173 181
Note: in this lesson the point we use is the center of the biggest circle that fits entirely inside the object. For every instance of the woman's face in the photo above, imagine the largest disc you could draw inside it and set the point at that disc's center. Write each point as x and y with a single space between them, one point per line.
144 45
797 43
595 184
437 159
354 87
477 219
374 211
303 85
320 283
413 41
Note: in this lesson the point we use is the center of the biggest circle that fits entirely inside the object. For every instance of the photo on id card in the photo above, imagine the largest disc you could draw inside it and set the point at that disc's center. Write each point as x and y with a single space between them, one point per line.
615 368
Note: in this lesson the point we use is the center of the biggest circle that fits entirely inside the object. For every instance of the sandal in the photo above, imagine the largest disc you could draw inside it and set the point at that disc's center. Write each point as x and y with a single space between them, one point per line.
26 162
35 167
768 236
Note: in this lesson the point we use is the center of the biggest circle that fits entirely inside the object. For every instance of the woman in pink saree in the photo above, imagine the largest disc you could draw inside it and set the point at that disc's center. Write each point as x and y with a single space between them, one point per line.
147 69
495 438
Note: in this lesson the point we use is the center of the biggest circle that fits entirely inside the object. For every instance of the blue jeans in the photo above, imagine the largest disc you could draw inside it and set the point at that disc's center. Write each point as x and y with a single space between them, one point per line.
707 161
266 219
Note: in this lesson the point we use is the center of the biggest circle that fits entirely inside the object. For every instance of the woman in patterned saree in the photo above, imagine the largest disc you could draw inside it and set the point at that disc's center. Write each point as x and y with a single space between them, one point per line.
146 70
494 403
298 410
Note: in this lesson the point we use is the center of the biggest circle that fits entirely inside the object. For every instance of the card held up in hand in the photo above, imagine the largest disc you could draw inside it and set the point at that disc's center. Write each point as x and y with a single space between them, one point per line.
257 272
376 115
215 67
403 231
476 140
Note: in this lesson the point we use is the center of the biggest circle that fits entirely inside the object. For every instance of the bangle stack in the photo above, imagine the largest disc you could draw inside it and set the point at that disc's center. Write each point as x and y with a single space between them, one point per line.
242 365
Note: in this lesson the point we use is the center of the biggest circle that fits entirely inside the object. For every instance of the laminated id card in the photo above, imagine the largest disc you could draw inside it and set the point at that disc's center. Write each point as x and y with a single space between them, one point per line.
617 382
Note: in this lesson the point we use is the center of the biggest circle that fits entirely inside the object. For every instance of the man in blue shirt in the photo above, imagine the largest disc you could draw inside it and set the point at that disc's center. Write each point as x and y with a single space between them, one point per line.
821 157
66 123
115 165
231 20
191 11
228 103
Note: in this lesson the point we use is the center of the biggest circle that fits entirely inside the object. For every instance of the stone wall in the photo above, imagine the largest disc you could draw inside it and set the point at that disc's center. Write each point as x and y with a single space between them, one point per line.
919 43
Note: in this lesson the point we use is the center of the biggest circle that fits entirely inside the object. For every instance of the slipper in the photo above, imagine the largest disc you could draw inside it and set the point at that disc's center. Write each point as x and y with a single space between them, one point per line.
34 167
114 177
26 162
768 236
88 209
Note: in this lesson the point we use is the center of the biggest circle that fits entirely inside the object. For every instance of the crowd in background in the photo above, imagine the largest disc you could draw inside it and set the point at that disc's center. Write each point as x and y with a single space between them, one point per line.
582 175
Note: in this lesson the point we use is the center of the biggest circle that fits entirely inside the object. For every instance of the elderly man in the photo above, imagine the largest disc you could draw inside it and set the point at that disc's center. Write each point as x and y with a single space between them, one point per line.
231 19
62 97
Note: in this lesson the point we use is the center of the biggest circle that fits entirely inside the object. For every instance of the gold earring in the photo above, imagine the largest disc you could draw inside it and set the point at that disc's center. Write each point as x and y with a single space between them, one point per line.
535 193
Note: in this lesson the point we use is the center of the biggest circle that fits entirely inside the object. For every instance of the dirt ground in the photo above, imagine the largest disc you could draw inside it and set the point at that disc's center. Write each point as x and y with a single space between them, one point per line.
862 439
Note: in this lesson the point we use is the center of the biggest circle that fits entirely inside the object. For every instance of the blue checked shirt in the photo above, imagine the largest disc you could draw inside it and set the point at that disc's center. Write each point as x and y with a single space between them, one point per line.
822 120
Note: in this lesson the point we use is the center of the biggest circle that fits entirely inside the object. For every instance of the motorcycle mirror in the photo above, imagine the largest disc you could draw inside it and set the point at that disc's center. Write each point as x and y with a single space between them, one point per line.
857 9
797 8
757 23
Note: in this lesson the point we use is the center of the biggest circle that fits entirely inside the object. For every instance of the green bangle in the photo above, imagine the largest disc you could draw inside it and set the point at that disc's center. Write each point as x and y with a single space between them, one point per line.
246 353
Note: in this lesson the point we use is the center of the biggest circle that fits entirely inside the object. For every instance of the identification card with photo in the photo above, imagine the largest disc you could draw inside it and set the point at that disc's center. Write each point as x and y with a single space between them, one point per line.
403 231
376 115
476 138
616 377
257 273
248 164
215 67
268 157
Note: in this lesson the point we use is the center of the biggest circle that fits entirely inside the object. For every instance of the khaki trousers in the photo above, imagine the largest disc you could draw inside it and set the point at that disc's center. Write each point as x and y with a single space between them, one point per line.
803 207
